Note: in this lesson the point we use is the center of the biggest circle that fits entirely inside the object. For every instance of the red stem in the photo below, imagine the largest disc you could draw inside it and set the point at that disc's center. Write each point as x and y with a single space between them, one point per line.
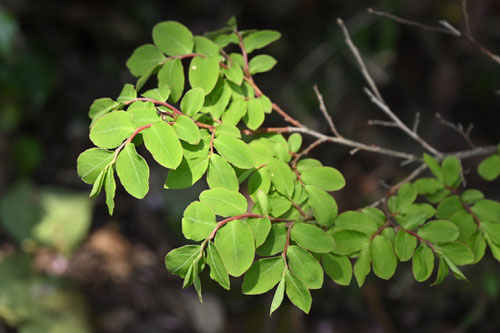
129 139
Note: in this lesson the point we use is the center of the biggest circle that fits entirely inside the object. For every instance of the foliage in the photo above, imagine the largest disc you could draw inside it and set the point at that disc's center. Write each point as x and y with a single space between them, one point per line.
288 232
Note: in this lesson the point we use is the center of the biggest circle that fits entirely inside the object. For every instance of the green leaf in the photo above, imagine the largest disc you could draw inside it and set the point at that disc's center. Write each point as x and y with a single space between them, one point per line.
487 210
172 75
489 168
100 107
187 130
459 253
143 113
259 180
349 241
141 81
323 205
255 114
338 268
160 94
442 272
260 39
405 245
471 196
198 221
493 229
423 263
224 202
357 221
237 109
448 207
267 105
173 38
325 178
451 169
477 244
260 228
144 59
163 143
128 93
297 292
275 241
217 101
439 231
112 129
419 208
465 224
362 265
263 202
433 165
294 142
406 196
187 173
234 73
179 260
192 102
227 130
218 272
96 189
205 46
305 267
203 73
307 164
92 162
458 274
221 174
263 275
428 185
495 248
278 296
236 246
235 152
312 238
110 187
383 257
261 63
133 171
282 177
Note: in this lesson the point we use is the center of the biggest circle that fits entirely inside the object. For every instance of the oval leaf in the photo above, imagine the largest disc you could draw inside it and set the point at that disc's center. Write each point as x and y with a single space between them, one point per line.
173 38
224 202
133 171
383 257
163 143
112 129
235 152
263 275
312 238
236 246
325 178
305 267
198 221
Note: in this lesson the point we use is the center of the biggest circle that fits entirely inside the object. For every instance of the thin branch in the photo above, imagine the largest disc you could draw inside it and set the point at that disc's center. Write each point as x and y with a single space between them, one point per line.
322 107
286 116
465 134
359 60
416 122
306 151
478 151
401 125
373 122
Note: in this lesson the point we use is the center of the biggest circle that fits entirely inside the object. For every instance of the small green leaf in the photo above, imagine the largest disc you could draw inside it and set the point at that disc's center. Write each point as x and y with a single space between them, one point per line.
259 180
275 241
128 93
352 220
92 162
227 130
261 63
362 265
307 164
218 272
294 142
458 274
173 38
433 165
192 102
459 253
412 221
282 177
99 182
187 173
260 228
100 107
198 221
405 245
263 275
179 260
477 244
471 196
163 143
144 59
221 174
489 168
263 202
203 73
442 272
495 248
312 238
217 101
487 210
383 258
236 246
260 39
448 207
323 205
255 114
297 292
465 224
451 169
172 75
235 152
428 185
187 130
338 268
143 113
205 46
278 296
305 267
325 178
423 263
439 231
133 171
224 202
406 196
112 129
349 241
234 73
162 93
110 187
237 109
493 229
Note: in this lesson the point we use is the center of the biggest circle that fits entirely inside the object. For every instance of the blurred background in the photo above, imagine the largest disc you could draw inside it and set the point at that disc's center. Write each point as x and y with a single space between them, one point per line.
66 266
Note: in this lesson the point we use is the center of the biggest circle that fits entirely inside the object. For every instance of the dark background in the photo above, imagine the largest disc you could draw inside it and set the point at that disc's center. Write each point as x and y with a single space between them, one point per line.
56 57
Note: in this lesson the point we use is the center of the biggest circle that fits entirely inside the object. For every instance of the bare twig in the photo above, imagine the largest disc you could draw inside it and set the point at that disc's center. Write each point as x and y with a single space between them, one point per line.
416 122
478 151
464 133
465 14
384 123
306 151
401 125
322 107
359 60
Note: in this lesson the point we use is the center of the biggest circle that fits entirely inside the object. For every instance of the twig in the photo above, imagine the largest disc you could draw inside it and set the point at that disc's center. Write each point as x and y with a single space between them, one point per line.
384 123
401 125
416 122
465 134
478 151
465 14
322 107
306 151
359 60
